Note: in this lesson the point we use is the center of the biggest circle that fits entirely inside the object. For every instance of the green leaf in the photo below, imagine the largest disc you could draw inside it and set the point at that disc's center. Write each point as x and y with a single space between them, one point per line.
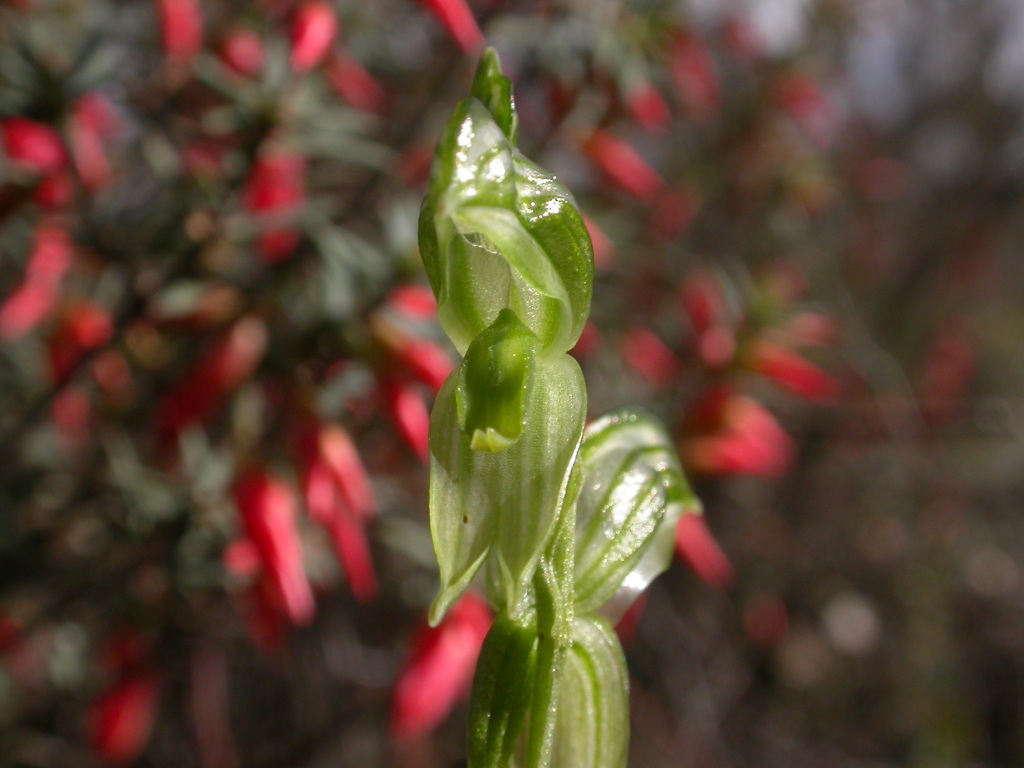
592 725
494 91
633 493
502 687
498 232
504 504
493 383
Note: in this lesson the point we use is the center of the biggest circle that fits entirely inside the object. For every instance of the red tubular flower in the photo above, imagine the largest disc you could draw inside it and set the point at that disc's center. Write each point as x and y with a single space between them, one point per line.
338 496
647 355
736 435
410 414
267 508
648 108
83 328
354 84
222 367
439 669
273 194
457 19
590 340
604 249
792 371
674 211
415 301
623 166
313 31
703 304
122 718
92 121
693 70
426 362
33 147
242 52
949 367
697 547
35 297
181 22
803 100
72 415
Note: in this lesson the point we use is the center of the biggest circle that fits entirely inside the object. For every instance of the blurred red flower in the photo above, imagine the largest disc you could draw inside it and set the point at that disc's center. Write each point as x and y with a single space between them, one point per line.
223 366
83 327
457 19
313 31
31 146
353 83
439 668
241 50
36 296
338 496
122 719
181 22
274 192
696 545
409 412
791 371
736 435
267 508
623 166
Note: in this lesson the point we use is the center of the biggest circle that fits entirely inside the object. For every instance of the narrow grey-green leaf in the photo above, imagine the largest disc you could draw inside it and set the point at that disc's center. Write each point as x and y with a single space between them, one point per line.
502 504
592 726
633 493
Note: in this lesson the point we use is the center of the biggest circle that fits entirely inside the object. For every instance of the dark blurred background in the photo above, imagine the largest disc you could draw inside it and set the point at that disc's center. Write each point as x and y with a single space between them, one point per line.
217 356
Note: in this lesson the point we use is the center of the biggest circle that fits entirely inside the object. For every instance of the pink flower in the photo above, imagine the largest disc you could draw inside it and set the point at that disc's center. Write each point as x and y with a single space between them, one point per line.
765 620
697 547
414 301
242 52
181 22
273 194
791 371
72 415
32 146
313 32
648 108
649 356
267 508
735 435
803 100
84 327
439 669
949 368
623 166
410 414
425 362
457 19
693 70
354 84
590 340
92 121
35 297
338 496
674 210
222 367
704 305
122 718
604 249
